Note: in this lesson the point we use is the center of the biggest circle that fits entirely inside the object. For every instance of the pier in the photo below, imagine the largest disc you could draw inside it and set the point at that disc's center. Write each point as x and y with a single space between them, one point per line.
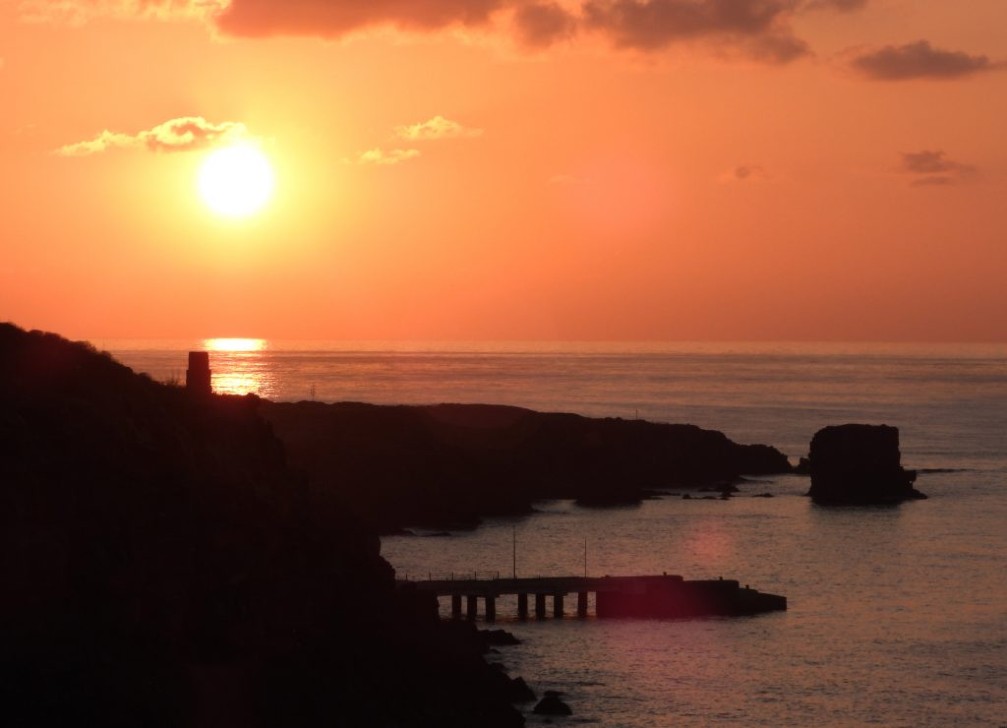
664 596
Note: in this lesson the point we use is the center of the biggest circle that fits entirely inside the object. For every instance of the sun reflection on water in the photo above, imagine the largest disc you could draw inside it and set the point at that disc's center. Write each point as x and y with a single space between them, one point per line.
235 345
239 366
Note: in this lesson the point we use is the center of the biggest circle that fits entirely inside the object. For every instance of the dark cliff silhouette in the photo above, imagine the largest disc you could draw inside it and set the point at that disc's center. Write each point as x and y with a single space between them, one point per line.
859 465
162 565
449 465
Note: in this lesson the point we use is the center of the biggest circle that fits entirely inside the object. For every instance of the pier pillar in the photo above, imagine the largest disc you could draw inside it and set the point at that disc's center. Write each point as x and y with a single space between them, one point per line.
581 604
540 606
522 607
491 609
456 606
471 607
557 606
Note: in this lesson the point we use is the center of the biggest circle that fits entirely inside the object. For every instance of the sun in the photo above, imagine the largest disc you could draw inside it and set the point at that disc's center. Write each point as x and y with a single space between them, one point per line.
236 181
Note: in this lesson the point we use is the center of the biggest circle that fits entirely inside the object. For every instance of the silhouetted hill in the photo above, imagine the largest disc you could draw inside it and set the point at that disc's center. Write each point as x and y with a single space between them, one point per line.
162 565
449 465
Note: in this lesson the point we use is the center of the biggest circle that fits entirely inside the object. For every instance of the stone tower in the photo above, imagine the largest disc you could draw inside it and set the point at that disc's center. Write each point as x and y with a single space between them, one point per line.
197 376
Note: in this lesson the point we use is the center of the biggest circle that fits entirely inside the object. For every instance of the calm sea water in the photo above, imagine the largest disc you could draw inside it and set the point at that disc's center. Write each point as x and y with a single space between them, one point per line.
898 616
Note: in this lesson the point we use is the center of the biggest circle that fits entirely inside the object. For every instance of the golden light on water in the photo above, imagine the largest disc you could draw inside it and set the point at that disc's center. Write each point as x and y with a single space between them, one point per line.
234 345
238 366
237 381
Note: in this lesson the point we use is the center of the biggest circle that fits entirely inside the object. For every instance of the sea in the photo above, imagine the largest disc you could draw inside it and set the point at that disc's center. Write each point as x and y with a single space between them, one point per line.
897 616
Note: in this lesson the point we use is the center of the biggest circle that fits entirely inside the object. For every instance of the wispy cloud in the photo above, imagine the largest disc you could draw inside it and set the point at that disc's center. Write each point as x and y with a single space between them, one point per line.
436 128
934 168
743 173
77 12
386 157
919 60
176 135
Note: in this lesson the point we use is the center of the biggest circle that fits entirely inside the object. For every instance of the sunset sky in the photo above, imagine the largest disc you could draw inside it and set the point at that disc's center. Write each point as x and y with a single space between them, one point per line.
509 169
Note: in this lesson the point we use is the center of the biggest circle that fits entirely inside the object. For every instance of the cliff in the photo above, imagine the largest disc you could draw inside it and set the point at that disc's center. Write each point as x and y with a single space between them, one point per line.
449 465
162 565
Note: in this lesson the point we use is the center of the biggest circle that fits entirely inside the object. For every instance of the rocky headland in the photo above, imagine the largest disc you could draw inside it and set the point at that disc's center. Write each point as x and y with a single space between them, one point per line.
447 466
163 565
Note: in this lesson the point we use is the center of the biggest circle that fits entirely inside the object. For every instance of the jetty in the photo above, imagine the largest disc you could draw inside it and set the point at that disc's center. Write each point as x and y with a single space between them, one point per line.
651 597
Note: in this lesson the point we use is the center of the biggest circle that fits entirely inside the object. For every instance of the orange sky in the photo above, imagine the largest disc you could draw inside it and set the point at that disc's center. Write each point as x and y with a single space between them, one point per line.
509 169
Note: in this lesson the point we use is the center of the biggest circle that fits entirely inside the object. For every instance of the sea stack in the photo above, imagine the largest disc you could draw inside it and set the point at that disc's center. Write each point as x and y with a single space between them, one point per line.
859 465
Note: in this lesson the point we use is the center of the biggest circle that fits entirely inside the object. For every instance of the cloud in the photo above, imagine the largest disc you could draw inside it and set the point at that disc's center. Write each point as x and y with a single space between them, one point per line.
745 173
762 29
651 25
843 6
918 60
176 135
388 157
933 168
542 24
78 12
436 128
336 18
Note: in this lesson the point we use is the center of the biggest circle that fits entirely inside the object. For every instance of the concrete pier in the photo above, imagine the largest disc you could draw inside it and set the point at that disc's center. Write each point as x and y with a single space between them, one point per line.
665 596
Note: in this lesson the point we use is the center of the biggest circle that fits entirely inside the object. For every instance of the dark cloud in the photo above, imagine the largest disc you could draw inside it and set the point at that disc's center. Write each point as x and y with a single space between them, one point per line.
761 29
655 24
334 18
933 168
540 25
176 135
918 60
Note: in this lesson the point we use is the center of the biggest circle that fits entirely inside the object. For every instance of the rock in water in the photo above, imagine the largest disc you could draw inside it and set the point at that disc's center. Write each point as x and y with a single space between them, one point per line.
859 465
551 704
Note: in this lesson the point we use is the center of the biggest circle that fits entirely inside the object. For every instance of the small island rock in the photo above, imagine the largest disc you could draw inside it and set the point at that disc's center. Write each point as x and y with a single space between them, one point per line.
858 464
551 704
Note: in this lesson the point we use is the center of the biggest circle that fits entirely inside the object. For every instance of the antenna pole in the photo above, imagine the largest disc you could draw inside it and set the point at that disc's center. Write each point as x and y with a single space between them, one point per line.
513 533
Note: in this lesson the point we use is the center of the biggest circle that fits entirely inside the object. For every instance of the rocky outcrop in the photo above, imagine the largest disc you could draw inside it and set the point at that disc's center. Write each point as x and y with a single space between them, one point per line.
859 465
552 704
450 465
163 566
